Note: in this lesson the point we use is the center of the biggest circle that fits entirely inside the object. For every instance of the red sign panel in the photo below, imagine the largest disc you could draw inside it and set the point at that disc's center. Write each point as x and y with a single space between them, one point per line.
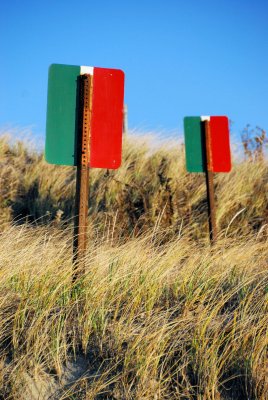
220 144
107 118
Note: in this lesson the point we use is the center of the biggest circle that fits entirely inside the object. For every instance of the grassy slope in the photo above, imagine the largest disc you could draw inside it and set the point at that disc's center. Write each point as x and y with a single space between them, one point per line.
150 188
157 316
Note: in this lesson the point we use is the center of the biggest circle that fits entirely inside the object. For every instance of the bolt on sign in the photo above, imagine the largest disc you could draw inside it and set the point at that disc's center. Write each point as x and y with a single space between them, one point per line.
84 129
106 115
207 148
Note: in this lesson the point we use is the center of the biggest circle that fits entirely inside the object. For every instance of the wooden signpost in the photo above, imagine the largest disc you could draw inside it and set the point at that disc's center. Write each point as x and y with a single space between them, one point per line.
84 129
207 146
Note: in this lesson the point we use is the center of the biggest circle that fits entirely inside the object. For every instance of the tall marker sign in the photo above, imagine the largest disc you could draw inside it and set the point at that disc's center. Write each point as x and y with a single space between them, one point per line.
207 146
84 128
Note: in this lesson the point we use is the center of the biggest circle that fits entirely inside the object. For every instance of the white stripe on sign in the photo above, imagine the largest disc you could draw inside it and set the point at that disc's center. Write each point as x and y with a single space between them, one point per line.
205 118
86 70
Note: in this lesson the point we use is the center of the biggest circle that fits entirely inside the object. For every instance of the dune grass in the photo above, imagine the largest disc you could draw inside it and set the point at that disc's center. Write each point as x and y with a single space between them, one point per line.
151 321
158 313
151 188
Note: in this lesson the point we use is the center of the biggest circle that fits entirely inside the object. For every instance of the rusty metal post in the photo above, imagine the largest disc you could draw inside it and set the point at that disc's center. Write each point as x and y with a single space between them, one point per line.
210 186
82 176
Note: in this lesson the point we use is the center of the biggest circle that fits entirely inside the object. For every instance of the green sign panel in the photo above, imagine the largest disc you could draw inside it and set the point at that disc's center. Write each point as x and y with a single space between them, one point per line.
61 114
194 145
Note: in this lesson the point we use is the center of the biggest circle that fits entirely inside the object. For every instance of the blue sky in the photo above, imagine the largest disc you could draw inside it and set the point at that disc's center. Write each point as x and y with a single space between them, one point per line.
180 57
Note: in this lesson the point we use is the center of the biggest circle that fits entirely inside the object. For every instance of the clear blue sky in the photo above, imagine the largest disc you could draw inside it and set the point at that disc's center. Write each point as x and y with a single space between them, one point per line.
180 57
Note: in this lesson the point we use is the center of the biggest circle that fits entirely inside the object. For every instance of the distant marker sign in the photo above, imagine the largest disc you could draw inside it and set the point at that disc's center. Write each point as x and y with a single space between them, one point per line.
106 115
195 144
207 148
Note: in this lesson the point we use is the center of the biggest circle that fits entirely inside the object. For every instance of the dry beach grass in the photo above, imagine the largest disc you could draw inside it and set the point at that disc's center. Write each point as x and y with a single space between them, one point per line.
150 189
150 321
158 314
